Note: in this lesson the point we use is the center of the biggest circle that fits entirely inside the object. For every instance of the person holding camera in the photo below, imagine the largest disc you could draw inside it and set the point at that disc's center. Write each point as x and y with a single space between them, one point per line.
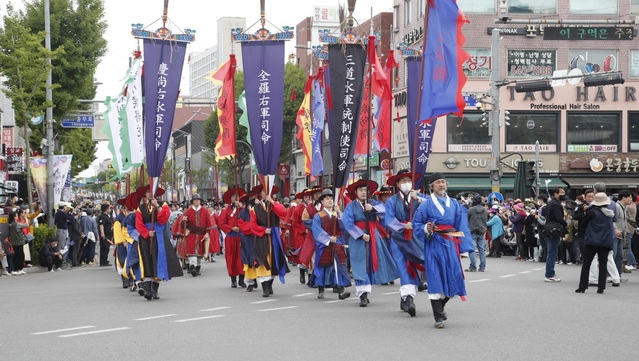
51 256
554 228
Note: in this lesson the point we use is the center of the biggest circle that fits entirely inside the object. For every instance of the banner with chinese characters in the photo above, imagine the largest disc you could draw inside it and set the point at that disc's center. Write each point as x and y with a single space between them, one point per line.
533 63
224 78
319 118
132 114
163 61
422 133
264 86
346 83
15 160
61 168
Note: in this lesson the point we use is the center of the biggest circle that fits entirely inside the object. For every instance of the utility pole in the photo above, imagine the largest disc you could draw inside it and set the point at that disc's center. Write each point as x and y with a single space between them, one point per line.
49 119
495 170
536 168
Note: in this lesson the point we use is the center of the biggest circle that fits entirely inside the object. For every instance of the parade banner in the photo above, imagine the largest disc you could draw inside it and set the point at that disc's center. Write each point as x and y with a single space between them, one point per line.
444 77
241 103
346 68
225 76
424 130
15 160
319 118
383 128
363 141
132 115
264 85
163 61
113 130
61 167
305 126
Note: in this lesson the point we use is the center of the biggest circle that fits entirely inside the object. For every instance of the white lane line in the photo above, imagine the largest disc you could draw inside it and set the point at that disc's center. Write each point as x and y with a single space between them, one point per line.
391 293
265 301
277 309
154 317
197 318
524 272
538 269
481 280
303 294
94 332
215 309
506 276
333 301
63 330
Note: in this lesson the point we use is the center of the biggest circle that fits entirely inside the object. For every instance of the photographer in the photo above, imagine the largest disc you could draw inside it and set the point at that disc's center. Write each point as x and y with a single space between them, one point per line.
578 215
51 255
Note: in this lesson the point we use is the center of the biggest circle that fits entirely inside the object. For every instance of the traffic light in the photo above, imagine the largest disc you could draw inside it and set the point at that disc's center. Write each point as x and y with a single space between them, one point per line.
603 79
529 174
533 86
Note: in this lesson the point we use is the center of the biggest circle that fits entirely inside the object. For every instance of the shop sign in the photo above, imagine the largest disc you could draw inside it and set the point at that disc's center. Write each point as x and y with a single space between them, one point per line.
592 148
615 165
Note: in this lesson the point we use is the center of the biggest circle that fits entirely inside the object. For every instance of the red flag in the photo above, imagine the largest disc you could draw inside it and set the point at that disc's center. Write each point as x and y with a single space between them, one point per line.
384 122
225 143
363 142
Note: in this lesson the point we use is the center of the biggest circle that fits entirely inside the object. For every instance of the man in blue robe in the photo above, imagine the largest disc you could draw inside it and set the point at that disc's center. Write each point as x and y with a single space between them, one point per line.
443 225
406 249
330 256
371 262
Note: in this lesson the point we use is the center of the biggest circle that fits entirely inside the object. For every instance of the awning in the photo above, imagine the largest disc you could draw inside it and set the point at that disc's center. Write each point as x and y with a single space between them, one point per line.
620 182
483 184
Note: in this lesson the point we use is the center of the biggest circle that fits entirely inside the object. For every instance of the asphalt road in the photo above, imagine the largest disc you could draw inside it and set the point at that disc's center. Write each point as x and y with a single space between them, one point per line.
509 314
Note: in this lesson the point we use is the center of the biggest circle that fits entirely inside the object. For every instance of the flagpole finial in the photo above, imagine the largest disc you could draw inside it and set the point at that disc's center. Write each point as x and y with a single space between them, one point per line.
263 12
165 13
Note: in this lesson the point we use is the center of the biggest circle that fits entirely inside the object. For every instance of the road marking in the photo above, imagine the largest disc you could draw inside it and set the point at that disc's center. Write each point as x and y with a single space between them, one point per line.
94 332
215 309
265 301
524 272
63 330
333 301
303 294
481 280
154 317
198 318
277 309
506 276
391 293
538 269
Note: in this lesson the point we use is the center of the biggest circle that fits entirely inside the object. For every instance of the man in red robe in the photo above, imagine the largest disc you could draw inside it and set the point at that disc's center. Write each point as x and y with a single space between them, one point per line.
228 223
198 225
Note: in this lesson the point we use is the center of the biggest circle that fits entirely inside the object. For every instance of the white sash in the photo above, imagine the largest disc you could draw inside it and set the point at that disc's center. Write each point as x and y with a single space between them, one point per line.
438 205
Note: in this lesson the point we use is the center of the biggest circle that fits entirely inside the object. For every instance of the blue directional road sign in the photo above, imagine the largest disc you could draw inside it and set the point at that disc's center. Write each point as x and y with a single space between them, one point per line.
82 121
470 100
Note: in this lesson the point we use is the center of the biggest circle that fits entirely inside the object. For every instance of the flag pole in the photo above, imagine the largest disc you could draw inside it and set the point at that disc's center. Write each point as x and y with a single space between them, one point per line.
390 130
411 122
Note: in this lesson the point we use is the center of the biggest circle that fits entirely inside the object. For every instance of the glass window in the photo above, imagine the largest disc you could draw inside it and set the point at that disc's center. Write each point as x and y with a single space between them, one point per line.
633 131
587 7
532 7
634 63
468 134
634 6
477 6
422 9
407 12
527 128
533 63
593 61
479 64
593 132
396 17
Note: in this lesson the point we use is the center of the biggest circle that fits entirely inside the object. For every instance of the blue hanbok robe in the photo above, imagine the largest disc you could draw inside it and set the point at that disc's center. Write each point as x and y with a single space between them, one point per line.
132 255
404 250
359 250
444 271
336 274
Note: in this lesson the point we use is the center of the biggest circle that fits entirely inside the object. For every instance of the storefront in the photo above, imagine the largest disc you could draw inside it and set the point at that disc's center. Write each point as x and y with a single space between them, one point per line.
617 171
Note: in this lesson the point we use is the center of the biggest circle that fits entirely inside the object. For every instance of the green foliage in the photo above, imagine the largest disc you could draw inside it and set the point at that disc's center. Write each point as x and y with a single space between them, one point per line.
294 78
41 235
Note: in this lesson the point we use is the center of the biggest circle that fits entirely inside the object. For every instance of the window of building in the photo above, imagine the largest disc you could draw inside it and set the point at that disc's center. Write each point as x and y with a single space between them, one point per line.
633 131
479 64
527 128
532 7
407 12
587 7
593 61
634 63
593 132
422 9
634 6
468 134
477 6
396 17
533 63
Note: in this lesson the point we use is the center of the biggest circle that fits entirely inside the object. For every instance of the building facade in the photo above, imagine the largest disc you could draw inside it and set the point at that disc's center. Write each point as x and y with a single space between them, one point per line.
586 134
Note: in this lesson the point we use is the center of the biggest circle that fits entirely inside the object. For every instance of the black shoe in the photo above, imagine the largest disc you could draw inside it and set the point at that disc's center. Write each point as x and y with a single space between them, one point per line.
363 300
600 290
438 310
233 282
241 282
154 291
410 306
391 282
197 270
302 276
580 290
270 287
192 270
266 289
444 302
615 284
125 283
422 287
250 288
320 292
134 287
343 295
148 294
402 304
141 289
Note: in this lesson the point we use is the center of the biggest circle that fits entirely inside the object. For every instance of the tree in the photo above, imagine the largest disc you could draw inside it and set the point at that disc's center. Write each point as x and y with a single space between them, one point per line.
77 28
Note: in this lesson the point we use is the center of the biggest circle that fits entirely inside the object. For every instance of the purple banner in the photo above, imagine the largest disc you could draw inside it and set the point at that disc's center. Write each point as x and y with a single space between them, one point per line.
319 112
424 130
264 86
346 64
163 62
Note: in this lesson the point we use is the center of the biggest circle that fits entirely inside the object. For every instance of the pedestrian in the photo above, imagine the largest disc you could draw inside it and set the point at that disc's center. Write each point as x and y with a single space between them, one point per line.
198 225
105 226
477 219
50 256
443 224
371 261
17 223
496 226
517 219
330 256
621 224
554 229
75 239
6 249
228 223
542 201
598 240
62 220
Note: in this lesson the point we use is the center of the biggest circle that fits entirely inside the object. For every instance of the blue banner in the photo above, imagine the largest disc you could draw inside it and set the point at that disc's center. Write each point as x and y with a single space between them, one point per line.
163 62
264 86
319 115
421 133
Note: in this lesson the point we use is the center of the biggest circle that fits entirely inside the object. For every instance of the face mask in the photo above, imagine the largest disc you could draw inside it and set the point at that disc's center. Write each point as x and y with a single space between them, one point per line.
562 197
405 187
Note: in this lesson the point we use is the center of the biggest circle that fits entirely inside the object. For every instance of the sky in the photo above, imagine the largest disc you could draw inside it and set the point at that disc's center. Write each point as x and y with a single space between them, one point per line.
201 16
